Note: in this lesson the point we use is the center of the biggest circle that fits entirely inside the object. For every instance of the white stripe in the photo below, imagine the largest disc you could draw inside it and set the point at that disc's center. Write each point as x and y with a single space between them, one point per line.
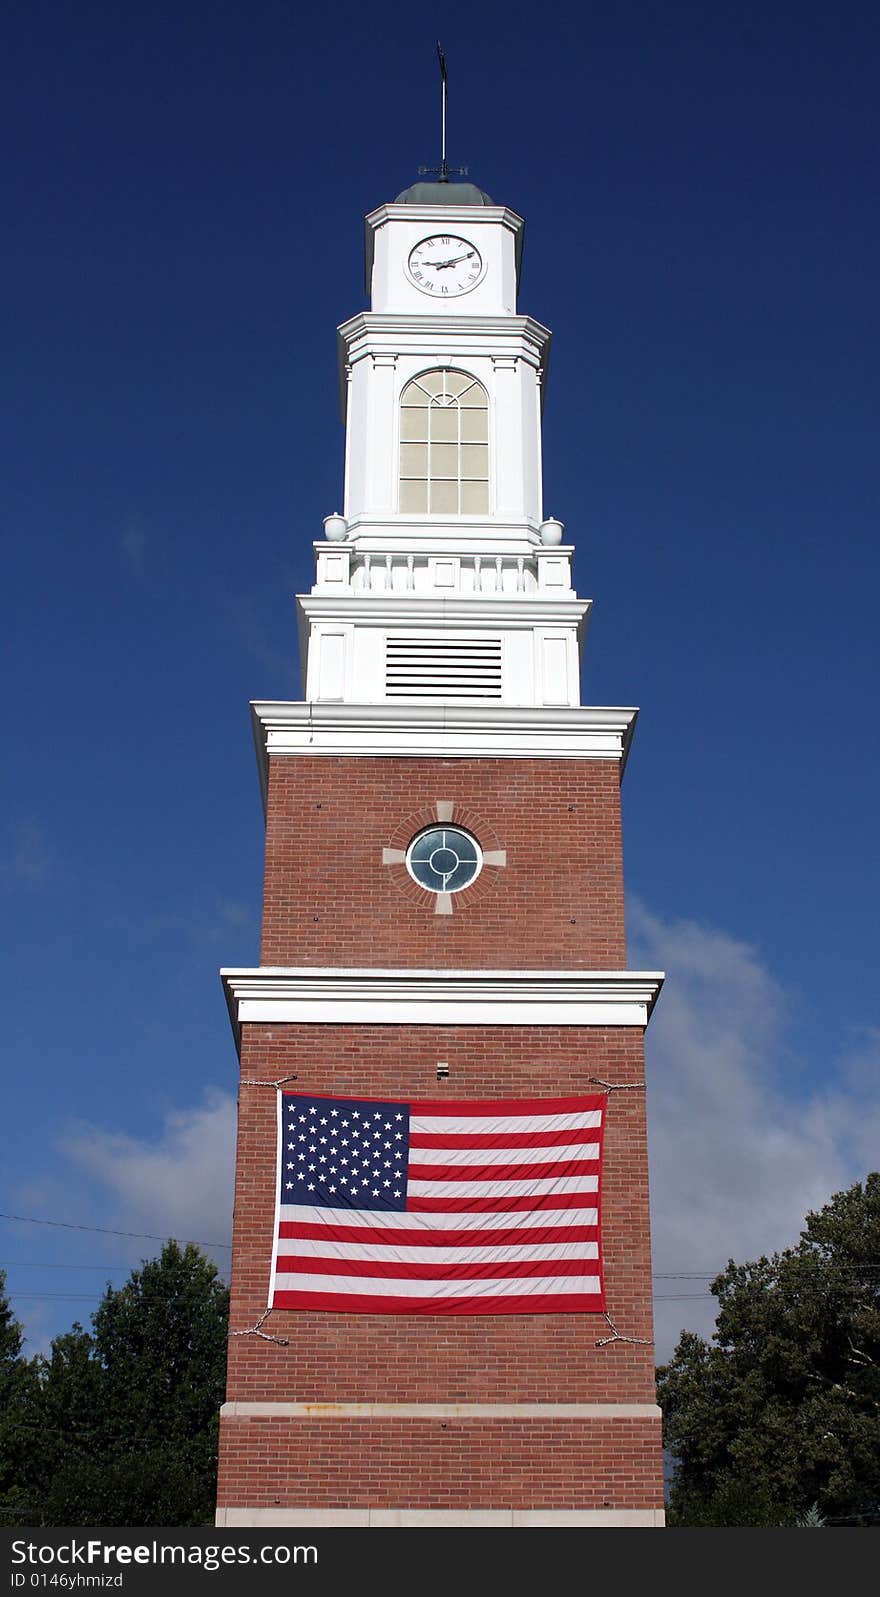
509 1189
495 1125
395 1220
507 1286
489 1253
461 1156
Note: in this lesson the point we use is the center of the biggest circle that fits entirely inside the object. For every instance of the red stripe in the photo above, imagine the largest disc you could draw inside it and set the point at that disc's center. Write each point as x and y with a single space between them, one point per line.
532 1203
525 1303
504 1139
506 1268
503 1172
291 1230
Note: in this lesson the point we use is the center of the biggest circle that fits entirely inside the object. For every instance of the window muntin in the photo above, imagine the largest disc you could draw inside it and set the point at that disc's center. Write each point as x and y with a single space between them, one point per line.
444 445
444 859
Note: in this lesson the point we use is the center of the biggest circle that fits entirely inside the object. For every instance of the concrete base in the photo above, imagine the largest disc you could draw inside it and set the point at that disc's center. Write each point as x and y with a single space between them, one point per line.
443 1518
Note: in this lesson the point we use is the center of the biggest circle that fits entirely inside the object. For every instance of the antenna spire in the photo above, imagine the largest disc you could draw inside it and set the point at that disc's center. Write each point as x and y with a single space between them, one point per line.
444 176
443 171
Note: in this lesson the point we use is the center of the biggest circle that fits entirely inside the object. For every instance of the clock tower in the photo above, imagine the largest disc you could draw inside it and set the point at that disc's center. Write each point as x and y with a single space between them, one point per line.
443 934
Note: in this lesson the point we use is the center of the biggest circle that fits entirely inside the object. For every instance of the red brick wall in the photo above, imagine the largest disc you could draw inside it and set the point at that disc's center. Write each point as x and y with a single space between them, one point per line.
454 1463
329 900
558 903
361 1358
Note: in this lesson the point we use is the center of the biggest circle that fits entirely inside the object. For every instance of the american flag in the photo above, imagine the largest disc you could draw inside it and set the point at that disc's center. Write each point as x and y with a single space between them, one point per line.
438 1207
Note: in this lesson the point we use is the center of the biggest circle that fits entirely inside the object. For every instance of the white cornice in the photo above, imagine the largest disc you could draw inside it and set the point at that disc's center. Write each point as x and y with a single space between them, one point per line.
371 331
383 609
441 731
383 531
282 995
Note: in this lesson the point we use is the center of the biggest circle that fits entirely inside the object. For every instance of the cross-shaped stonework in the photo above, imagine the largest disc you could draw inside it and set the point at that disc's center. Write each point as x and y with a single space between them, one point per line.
493 858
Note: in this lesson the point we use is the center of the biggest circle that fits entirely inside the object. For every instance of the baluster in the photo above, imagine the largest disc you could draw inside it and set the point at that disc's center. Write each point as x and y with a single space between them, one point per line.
368 581
478 578
499 580
520 580
389 580
410 573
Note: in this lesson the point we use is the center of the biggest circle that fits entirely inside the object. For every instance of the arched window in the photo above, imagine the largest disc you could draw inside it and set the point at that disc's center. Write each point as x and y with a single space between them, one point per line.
444 445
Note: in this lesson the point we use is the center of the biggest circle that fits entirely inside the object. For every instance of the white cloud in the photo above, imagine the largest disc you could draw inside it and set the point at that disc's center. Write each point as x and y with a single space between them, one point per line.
28 857
739 1153
133 550
178 1184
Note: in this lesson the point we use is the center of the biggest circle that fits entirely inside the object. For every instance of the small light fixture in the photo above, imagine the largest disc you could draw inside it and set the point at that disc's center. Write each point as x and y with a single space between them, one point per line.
442 1071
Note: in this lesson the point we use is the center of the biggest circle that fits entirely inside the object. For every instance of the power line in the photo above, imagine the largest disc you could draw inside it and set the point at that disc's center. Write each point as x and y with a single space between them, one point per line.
109 1231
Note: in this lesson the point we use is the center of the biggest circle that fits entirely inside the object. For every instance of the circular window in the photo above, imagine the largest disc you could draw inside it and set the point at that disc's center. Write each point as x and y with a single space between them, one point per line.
444 859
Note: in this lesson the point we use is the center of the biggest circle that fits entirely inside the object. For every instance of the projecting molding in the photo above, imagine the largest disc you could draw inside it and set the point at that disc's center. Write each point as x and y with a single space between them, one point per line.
282 995
444 731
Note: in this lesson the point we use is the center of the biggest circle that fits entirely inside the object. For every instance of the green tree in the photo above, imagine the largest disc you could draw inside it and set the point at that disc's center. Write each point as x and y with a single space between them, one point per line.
17 1393
128 1413
783 1411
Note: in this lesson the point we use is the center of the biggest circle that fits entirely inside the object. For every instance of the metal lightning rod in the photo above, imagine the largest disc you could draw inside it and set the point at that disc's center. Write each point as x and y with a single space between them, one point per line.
442 59
443 171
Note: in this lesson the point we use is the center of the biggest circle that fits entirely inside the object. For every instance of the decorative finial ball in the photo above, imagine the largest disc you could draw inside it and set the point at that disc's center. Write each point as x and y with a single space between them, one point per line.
335 527
552 530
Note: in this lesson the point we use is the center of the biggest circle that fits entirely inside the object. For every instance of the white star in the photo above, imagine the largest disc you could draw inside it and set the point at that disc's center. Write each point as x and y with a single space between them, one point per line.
356 1114
322 1158
344 1181
377 1115
386 1145
300 1156
333 1170
334 1111
311 1168
313 1111
345 1122
398 1135
398 1117
311 1186
290 1167
375 1192
323 1120
290 1147
397 1194
345 1142
312 1147
386 1183
323 1139
388 1125
288 1185
302 1118
332 1189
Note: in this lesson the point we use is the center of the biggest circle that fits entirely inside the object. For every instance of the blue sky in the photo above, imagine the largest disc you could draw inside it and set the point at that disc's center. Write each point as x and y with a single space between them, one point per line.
184 202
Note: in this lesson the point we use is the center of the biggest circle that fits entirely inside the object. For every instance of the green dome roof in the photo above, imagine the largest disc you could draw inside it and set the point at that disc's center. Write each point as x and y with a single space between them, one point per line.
443 194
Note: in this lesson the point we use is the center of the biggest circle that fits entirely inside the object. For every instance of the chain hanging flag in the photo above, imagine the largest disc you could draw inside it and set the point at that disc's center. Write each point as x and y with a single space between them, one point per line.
439 1207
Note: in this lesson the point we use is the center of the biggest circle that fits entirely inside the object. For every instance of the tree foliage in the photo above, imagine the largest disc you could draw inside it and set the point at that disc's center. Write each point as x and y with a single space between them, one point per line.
118 1426
783 1412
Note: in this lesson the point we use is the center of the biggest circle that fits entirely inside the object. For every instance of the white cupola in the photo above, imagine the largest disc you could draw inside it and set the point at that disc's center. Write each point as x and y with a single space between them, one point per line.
441 580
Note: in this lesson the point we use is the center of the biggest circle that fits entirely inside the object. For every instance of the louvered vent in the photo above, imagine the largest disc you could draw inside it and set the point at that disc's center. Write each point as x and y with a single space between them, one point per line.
443 668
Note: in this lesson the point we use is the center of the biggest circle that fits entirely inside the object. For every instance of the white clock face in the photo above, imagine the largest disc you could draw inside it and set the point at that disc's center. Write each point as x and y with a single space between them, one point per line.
444 266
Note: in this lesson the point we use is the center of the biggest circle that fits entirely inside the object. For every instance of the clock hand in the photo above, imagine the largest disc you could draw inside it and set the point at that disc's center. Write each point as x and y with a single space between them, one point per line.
442 265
